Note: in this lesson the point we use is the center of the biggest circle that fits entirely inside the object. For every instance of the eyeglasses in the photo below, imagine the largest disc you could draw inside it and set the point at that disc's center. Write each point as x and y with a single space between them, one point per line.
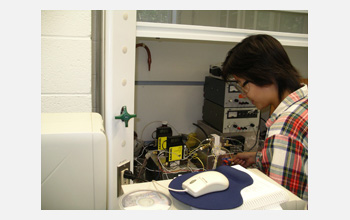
244 88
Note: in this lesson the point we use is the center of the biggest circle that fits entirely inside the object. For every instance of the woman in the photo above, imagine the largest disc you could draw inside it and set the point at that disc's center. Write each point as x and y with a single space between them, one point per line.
265 75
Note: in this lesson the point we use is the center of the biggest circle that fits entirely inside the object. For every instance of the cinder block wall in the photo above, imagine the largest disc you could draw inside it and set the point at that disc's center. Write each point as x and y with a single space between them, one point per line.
66 61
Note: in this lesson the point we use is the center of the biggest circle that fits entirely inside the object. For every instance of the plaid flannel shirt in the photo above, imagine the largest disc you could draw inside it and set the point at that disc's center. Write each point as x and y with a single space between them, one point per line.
284 157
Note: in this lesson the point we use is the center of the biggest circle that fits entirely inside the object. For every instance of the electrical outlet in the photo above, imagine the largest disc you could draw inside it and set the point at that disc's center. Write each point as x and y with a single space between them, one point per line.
124 180
120 176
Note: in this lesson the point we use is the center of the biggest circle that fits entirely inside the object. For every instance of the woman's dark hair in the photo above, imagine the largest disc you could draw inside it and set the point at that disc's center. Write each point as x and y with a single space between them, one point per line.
262 60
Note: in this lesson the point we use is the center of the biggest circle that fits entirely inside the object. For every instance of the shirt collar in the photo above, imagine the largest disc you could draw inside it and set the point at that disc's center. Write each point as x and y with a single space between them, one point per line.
287 102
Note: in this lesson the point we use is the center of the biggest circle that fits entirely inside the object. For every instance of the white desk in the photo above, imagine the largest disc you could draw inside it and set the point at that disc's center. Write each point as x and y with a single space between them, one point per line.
294 203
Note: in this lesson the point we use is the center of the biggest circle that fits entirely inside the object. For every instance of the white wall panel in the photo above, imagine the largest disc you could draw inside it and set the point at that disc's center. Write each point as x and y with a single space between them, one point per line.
66 61
65 103
65 65
66 23
179 105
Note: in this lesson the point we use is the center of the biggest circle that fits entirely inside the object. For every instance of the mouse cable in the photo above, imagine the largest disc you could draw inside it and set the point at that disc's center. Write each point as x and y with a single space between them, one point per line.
171 189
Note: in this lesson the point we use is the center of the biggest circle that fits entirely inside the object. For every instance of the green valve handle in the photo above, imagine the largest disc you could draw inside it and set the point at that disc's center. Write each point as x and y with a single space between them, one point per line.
125 116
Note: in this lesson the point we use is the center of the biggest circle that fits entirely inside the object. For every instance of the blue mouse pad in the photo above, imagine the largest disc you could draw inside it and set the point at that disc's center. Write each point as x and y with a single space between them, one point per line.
226 199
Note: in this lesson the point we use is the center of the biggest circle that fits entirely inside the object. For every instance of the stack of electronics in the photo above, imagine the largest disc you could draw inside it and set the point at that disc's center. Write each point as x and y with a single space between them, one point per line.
226 111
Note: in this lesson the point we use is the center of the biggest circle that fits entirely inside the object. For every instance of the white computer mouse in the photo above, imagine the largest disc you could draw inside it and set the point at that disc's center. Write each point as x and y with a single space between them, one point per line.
205 182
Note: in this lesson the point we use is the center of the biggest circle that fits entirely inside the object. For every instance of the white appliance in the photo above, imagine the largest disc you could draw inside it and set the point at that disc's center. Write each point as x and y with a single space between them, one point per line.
73 161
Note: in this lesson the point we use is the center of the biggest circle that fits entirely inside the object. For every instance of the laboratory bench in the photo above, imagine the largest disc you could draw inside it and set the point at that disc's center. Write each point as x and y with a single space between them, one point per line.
291 202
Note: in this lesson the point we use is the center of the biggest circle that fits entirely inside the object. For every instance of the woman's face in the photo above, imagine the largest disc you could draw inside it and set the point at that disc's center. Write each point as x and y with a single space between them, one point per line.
261 97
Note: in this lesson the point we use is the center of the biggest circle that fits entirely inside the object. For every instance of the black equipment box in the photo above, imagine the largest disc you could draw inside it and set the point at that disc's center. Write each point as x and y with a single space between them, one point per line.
224 93
162 133
175 147
228 120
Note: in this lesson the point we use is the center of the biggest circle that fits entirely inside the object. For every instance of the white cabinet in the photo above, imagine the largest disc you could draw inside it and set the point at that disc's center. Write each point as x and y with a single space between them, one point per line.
73 161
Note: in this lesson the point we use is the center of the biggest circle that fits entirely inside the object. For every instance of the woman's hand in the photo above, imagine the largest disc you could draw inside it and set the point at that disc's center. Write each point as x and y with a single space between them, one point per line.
244 159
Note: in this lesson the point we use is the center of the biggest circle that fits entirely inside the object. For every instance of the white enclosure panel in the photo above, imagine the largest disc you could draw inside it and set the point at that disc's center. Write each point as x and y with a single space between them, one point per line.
178 60
181 60
300 59
119 81
179 105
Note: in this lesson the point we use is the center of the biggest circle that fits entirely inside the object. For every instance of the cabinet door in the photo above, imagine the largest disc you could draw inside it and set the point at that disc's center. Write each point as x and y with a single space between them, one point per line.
119 83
